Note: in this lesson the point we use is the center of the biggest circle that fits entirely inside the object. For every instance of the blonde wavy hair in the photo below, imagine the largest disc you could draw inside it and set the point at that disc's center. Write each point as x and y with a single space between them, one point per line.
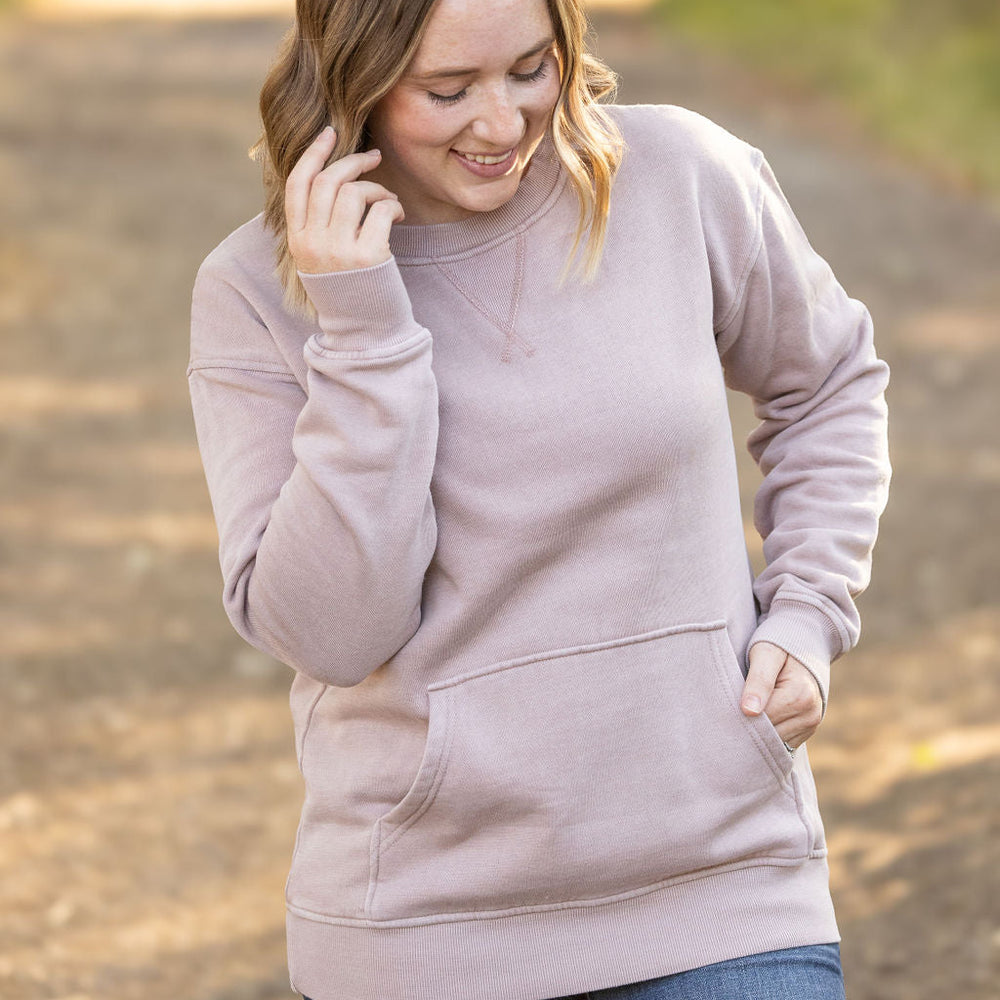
342 56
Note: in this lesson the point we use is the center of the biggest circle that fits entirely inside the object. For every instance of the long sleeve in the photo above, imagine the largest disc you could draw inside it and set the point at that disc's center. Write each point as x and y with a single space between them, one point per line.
790 337
321 497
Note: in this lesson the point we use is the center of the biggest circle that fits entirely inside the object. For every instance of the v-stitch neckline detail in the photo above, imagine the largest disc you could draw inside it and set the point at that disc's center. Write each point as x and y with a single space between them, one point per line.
506 325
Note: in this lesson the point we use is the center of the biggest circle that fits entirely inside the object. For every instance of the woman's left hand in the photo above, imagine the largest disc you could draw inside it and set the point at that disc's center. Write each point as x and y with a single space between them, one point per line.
781 687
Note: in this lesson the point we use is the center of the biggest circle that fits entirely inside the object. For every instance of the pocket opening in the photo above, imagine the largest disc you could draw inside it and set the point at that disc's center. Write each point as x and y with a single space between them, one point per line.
430 773
760 728
583 772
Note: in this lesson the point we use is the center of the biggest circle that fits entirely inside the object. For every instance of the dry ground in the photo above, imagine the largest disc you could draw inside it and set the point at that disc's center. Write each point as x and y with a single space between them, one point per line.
148 787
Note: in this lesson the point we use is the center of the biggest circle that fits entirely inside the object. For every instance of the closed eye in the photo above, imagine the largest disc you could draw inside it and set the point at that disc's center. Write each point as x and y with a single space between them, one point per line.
535 74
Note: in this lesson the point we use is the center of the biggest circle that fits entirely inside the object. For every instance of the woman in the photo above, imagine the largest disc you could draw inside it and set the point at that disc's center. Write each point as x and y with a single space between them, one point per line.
461 404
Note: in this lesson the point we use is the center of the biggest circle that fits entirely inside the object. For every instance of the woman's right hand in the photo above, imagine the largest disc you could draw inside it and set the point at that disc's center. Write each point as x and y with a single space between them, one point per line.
324 208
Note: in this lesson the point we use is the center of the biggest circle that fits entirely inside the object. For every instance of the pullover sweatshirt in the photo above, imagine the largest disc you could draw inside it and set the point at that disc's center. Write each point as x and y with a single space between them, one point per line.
494 528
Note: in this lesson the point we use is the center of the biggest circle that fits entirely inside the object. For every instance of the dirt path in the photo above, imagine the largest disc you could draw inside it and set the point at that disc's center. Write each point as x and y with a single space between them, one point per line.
148 787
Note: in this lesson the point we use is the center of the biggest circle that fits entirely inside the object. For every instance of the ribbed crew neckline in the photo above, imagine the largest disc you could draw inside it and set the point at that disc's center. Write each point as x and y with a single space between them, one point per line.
539 185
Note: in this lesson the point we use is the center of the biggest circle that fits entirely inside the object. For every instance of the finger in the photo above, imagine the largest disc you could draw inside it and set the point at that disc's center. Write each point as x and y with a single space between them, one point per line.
332 203
793 732
300 177
373 240
796 705
796 697
300 181
766 661
352 166
815 686
792 741
325 190
348 212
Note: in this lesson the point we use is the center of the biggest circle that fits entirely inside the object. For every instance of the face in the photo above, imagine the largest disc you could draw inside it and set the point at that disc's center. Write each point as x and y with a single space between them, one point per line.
481 87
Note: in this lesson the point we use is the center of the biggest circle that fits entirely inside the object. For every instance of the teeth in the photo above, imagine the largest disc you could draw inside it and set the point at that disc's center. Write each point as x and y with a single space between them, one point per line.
485 159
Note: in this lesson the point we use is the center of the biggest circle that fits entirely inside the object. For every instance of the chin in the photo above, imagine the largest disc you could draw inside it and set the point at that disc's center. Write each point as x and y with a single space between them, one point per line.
489 201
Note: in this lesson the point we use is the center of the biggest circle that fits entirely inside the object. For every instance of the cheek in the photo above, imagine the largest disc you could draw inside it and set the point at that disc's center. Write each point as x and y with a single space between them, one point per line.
425 131
407 127
546 97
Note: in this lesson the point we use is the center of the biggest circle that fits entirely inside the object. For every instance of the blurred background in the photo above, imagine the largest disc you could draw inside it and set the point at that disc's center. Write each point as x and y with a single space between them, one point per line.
149 792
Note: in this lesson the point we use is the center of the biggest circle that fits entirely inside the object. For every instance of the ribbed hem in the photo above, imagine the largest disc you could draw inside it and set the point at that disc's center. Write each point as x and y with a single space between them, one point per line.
806 632
561 951
362 309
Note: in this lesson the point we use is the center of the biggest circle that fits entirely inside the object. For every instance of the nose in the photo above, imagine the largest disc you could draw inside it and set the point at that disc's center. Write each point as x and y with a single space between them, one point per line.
500 121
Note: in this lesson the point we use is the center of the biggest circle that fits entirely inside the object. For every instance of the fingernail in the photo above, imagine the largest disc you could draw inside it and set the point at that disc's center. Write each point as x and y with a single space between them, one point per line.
374 152
752 704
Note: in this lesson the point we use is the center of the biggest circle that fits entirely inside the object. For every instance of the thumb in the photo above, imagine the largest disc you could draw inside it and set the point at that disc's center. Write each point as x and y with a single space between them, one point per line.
766 661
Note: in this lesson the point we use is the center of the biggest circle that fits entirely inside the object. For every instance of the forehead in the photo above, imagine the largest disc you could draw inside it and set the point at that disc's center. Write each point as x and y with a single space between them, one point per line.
477 33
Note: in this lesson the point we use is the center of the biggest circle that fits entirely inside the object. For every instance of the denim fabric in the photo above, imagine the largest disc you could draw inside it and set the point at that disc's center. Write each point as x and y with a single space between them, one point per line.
810 972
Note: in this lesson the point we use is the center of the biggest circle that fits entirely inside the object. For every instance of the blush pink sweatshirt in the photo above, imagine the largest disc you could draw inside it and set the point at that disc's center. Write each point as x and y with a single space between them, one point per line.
494 528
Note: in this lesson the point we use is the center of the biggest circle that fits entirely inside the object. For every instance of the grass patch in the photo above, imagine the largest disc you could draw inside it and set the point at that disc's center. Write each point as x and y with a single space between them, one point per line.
923 76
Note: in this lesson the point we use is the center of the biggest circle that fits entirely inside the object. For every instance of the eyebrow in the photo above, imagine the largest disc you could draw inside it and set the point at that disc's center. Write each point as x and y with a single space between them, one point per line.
453 71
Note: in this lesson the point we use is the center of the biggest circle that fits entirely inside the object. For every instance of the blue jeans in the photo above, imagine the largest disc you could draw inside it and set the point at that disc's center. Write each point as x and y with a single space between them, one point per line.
811 972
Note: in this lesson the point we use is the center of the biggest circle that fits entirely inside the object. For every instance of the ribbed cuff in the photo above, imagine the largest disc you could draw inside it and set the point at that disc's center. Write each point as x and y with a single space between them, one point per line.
805 632
363 309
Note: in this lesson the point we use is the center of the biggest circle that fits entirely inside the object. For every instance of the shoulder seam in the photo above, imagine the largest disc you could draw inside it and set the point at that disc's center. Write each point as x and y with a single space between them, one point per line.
755 249
236 364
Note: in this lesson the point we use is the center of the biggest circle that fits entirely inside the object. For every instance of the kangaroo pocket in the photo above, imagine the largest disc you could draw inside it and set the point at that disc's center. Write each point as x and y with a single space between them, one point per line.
586 772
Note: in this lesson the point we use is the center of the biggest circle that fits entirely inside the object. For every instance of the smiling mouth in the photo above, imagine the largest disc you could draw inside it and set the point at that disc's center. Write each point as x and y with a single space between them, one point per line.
483 158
